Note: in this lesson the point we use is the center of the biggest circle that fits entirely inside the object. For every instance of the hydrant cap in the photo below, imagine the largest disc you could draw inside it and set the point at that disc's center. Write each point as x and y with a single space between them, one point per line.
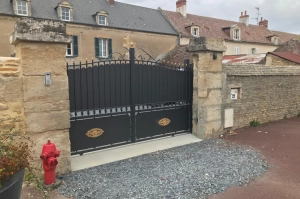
49 142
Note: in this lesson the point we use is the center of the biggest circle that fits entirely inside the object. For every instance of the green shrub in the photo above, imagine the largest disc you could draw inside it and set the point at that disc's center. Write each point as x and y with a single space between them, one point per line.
255 122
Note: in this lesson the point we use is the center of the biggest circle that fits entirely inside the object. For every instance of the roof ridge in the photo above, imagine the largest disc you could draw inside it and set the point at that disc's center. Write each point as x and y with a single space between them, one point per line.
271 31
136 5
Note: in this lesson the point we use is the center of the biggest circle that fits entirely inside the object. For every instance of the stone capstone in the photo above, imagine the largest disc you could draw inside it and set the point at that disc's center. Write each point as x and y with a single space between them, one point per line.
206 44
41 30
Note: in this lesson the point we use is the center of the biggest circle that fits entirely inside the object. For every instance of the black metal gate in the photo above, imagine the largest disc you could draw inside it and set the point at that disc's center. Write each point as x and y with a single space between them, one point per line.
123 101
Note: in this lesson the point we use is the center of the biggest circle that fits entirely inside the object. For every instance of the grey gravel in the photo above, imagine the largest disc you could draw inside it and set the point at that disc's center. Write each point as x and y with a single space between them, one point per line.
191 171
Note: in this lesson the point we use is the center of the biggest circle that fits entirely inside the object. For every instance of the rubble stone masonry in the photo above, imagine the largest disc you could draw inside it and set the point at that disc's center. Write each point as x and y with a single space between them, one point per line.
11 95
267 93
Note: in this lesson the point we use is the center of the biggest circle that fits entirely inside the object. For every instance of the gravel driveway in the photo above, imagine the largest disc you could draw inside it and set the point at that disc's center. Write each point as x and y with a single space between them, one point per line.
191 171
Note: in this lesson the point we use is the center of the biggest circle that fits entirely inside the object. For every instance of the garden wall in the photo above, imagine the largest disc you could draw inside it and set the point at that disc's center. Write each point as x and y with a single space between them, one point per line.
267 93
27 104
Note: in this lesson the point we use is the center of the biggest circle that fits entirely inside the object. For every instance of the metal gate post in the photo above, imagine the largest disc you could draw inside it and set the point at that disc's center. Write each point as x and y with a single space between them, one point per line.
190 91
132 99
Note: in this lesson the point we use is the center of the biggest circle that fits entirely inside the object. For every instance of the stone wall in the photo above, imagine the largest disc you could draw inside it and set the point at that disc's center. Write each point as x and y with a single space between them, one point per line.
278 61
11 95
207 86
267 93
26 103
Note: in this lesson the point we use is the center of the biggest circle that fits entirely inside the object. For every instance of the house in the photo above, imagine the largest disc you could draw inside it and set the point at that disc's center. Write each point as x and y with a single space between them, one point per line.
239 37
287 54
282 59
98 27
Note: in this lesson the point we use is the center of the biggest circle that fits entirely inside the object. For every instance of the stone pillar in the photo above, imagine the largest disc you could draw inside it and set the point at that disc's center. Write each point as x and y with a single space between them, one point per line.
41 47
207 99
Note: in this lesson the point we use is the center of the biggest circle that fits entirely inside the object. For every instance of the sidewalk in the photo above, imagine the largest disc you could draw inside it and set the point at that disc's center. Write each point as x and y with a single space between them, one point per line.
279 142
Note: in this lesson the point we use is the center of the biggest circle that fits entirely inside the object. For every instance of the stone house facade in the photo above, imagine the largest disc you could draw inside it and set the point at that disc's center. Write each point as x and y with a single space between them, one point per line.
282 59
98 27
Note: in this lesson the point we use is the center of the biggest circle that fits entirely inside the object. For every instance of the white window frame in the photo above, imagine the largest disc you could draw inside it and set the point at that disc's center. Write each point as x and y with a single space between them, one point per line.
236 50
103 48
62 16
236 34
234 94
105 20
71 47
197 31
20 3
253 51
275 40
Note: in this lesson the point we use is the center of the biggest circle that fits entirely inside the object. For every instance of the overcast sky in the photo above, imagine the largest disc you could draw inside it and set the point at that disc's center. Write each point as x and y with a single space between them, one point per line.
283 15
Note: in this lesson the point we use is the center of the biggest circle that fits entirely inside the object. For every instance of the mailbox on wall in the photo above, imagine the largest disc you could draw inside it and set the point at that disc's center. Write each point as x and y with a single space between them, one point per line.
47 79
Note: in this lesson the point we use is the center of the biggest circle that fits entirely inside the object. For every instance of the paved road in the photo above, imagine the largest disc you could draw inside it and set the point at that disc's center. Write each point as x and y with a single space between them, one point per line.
280 143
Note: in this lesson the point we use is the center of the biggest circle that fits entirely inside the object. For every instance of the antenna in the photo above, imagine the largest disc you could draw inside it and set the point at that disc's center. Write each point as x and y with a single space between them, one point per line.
257 18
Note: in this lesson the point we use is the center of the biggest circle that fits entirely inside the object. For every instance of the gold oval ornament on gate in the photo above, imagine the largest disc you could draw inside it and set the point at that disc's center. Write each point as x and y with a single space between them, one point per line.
94 133
164 122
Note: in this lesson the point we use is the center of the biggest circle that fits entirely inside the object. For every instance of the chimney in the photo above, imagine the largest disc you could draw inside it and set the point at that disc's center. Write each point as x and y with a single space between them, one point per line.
244 18
111 2
181 7
264 23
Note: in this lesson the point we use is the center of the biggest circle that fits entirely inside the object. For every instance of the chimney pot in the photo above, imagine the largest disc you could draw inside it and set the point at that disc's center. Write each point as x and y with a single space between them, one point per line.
181 7
111 2
264 23
244 18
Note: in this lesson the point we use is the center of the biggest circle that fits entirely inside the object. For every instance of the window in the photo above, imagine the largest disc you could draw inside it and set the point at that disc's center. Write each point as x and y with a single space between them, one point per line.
275 41
69 51
65 14
236 34
234 93
72 48
22 7
195 32
103 48
253 51
102 20
236 50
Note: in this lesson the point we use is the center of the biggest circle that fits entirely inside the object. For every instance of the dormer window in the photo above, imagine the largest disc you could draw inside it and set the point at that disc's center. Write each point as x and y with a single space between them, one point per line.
22 7
236 34
65 11
101 18
65 14
274 39
195 32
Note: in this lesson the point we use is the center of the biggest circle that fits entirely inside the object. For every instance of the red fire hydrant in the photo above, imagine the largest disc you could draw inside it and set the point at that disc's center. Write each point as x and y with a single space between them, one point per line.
49 154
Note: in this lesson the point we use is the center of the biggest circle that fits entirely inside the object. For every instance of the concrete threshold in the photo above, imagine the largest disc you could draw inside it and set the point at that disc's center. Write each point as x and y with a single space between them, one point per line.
105 156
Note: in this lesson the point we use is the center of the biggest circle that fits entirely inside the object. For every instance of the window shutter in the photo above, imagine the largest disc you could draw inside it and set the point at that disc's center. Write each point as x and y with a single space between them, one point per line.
75 46
97 47
109 48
